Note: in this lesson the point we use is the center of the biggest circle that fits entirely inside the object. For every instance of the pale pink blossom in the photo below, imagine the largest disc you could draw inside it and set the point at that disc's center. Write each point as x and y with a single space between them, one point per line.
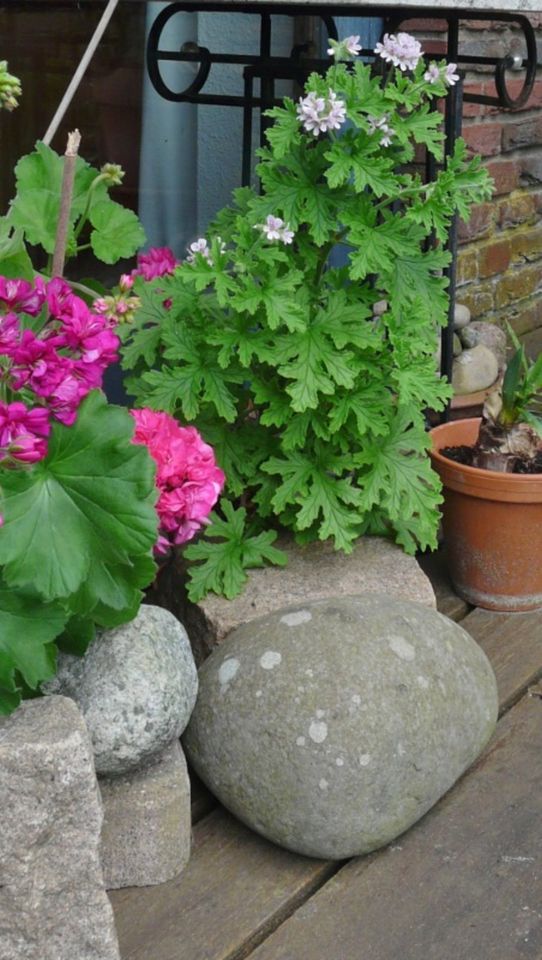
450 75
274 228
187 476
381 125
403 50
350 46
432 74
321 114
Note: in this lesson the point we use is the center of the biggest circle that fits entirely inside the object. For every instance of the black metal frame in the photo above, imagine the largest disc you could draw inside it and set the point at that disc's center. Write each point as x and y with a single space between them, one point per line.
268 68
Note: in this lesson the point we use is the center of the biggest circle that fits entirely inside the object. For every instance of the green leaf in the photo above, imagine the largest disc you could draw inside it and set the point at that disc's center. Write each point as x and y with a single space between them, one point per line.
117 231
14 260
28 627
87 508
78 634
226 552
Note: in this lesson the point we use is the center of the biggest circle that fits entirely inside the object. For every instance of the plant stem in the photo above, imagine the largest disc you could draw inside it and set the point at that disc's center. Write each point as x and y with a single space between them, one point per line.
70 160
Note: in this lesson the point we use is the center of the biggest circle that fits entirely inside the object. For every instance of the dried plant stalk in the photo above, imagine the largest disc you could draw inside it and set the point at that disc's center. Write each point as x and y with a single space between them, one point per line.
70 160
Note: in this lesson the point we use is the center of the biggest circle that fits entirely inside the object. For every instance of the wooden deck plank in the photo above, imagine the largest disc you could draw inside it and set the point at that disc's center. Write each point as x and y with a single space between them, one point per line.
513 643
464 884
236 888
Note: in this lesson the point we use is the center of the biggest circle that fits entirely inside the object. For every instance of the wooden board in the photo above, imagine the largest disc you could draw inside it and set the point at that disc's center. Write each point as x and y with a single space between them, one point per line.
463 884
235 889
513 643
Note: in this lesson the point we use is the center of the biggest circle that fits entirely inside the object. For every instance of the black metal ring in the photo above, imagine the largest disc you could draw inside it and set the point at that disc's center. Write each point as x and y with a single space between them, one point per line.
530 73
153 59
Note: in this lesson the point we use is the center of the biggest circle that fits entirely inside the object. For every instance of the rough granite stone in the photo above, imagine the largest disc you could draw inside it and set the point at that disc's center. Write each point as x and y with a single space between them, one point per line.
331 727
490 335
136 687
147 825
461 316
313 572
474 370
53 904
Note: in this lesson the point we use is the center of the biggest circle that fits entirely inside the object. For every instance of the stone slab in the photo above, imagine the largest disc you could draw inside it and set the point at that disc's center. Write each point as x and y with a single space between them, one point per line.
53 905
313 572
147 825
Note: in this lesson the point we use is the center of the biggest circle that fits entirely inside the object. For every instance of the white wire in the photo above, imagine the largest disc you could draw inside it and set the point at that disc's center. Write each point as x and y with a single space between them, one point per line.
80 72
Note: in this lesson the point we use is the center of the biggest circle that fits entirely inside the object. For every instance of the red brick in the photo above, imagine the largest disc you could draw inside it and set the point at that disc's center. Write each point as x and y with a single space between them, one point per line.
517 284
531 168
517 208
436 48
479 298
424 26
483 138
493 258
525 315
481 221
526 244
505 174
467 265
521 133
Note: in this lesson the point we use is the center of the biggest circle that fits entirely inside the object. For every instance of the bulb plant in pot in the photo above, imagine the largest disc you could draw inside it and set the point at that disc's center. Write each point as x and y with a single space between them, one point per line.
491 469
314 404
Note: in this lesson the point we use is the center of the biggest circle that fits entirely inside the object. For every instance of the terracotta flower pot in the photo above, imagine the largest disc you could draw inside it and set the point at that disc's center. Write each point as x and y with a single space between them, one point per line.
492 527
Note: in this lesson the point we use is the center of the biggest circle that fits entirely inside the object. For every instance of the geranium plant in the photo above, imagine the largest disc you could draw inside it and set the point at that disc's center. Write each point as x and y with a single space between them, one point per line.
88 492
314 404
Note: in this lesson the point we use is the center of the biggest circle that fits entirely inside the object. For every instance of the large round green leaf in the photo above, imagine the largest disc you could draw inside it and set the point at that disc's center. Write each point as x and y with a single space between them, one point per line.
85 510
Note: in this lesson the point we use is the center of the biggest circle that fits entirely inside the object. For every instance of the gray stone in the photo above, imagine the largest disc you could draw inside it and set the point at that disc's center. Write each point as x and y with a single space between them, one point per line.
53 905
475 369
380 307
313 572
136 687
147 825
457 345
331 727
461 316
490 335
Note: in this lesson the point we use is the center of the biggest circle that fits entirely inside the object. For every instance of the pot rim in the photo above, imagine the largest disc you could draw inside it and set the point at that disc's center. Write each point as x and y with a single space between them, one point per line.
487 484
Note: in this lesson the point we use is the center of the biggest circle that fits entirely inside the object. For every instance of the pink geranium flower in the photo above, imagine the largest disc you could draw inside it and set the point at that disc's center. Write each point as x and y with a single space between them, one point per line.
187 475
156 262
23 432
22 296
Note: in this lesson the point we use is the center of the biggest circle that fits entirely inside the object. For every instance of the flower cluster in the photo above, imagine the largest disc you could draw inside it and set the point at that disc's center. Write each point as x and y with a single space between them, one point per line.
403 50
202 247
58 365
381 126
187 476
320 114
275 228
433 74
344 49
157 262
10 88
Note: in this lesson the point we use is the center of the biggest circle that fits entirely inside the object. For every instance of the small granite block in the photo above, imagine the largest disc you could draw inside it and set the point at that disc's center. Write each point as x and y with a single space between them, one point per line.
53 905
313 572
147 828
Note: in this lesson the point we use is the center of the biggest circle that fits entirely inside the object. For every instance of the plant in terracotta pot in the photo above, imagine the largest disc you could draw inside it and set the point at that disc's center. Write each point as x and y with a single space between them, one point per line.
315 406
491 469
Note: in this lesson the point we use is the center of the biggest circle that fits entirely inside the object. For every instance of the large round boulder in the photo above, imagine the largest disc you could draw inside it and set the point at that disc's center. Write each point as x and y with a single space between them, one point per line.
136 687
331 727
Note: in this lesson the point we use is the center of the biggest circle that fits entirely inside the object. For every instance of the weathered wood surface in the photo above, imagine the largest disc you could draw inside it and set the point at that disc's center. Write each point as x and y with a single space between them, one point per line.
463 884
236 888
513 643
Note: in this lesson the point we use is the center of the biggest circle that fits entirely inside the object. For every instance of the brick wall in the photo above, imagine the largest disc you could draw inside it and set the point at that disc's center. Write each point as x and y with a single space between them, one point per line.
500 255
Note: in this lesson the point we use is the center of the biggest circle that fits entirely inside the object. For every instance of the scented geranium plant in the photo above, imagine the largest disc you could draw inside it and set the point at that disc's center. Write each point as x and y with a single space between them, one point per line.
313 400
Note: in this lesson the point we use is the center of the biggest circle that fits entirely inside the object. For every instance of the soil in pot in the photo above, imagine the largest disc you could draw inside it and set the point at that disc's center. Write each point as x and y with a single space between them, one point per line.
465 455
492 527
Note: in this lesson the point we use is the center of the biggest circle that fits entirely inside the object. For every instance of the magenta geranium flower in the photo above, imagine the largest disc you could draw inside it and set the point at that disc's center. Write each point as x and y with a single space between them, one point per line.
23 432
187 475
156 262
